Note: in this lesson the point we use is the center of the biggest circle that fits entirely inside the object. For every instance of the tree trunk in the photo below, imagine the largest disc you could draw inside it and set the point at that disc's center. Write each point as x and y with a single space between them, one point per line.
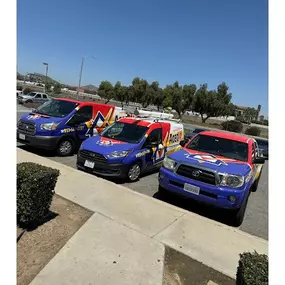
108 100
204 119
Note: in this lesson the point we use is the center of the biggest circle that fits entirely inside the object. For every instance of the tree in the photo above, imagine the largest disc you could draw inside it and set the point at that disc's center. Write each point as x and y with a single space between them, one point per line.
57 88
158 95
48 87
106 91
178 97
121 92
250 114
213 103
140 92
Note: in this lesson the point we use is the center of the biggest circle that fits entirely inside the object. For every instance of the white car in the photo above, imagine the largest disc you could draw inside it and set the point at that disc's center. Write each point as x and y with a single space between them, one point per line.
19 93
33 97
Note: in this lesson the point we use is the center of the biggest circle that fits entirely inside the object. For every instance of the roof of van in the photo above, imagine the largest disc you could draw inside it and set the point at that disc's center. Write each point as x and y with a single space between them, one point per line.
145 122
84 103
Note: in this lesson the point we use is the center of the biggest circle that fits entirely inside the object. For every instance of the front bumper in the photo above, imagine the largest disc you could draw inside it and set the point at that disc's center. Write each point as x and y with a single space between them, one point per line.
209 194
43 142
112 170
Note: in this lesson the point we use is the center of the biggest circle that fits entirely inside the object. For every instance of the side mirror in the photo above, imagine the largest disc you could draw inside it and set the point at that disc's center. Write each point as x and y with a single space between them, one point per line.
34 110
259 160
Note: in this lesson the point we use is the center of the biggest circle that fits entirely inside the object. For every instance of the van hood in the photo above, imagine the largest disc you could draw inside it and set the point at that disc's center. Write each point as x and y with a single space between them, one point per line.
40 119
105 145
210 161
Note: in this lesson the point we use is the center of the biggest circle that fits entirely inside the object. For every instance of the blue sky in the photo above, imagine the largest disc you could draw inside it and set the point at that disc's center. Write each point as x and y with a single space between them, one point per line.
192 41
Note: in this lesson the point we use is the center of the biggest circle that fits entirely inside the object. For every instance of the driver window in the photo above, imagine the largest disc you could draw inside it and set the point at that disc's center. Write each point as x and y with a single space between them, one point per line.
83 115
154 138
38 96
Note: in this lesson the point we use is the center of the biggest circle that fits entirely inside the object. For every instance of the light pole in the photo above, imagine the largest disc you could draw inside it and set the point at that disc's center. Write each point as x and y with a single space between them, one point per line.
46 64
80 74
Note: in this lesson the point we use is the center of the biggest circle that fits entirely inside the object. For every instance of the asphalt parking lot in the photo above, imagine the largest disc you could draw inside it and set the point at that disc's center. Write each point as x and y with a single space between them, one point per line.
256 218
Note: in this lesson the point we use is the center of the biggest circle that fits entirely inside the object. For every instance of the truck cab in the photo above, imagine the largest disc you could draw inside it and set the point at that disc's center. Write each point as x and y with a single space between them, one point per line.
130 147
62 124
216 168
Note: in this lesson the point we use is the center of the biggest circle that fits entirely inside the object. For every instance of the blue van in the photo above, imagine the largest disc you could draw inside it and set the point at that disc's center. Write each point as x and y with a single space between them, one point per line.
62 124
129 148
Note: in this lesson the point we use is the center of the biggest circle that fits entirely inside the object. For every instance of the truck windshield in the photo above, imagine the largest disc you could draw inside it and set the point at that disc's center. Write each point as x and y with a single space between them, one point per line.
131 133
31 94
56 108
220 146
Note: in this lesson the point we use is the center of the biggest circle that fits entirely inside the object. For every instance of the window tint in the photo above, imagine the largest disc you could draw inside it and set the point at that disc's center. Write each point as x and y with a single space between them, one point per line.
83 115
38 96
155 137
220 146
44 96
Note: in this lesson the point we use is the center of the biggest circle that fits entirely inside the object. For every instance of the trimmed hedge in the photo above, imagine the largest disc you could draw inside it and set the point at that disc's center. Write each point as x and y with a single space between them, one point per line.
232 126
253 131
27 90
35 190
252 269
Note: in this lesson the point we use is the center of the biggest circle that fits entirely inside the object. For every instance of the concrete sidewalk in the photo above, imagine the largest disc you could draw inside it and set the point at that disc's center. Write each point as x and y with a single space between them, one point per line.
134 227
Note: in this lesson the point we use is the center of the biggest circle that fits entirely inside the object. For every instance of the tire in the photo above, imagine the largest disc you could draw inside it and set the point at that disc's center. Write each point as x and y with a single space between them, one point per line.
134 172
238 215
65 147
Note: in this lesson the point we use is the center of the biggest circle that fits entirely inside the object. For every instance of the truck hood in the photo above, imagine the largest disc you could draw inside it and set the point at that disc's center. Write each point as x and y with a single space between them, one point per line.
40 119
210 161
105 145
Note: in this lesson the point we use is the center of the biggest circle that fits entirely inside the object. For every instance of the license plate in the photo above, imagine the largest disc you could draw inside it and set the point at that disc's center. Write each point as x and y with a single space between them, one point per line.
22 137
89 164
191 189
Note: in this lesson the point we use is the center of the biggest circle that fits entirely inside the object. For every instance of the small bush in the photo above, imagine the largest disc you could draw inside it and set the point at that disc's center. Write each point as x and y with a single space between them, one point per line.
252 269
27 90
253 131
232 126
35 190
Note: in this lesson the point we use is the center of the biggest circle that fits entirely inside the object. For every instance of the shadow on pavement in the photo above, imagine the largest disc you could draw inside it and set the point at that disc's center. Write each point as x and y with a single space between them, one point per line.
207 211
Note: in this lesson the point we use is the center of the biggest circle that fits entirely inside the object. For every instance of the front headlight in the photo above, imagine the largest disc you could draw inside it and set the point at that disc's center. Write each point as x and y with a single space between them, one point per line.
49 126
169 163
118 154
230 180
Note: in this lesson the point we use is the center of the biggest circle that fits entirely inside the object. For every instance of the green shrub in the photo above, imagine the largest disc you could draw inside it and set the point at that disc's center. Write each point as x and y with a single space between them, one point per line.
252 269
253 131
232 126
35 190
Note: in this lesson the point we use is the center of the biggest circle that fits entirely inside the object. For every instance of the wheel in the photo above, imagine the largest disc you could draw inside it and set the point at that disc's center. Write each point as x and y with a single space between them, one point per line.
238 215
134 172
65 147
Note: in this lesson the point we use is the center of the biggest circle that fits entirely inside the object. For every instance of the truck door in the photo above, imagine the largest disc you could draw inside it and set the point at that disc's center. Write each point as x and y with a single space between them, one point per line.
81 121
151 144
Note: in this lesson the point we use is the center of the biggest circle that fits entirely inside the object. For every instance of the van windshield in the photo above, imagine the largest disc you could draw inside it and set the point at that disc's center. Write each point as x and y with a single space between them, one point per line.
56 108
130 133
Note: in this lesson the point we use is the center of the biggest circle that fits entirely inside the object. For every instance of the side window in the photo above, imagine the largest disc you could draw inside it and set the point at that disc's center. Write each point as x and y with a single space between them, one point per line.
83 115
154 138
44 96
38 96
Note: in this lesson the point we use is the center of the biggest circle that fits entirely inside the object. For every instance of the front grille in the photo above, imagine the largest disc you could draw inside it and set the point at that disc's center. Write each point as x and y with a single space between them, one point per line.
93 156
204 175
27 127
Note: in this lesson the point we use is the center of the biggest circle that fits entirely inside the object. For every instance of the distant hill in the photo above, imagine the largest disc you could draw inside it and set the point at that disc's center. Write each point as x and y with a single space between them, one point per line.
90 87
37 77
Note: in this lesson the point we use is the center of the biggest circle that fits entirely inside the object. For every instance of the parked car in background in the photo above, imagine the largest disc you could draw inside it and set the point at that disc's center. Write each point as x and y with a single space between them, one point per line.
33 97
263 147
194 132
217 168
